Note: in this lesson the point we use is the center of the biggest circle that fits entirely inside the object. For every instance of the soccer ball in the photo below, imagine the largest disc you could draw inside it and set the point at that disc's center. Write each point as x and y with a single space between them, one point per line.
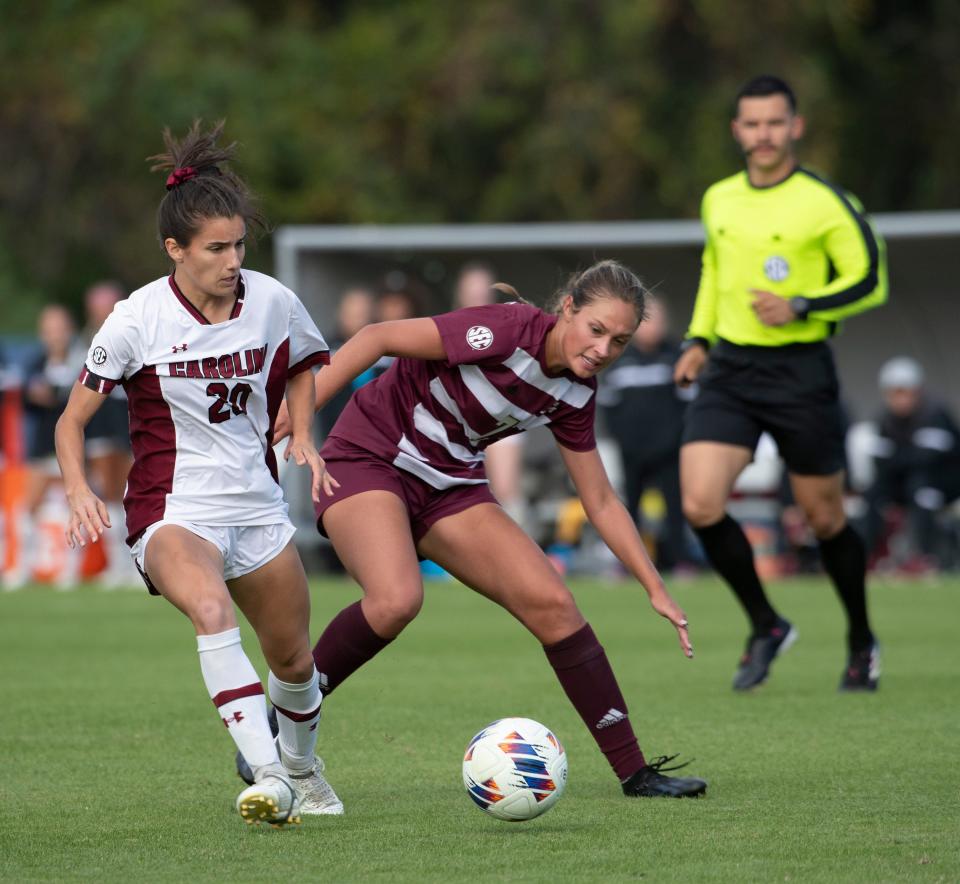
515 769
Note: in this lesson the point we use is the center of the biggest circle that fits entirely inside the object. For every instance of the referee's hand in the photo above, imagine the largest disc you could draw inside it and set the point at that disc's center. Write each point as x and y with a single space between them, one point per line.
771 309
689 365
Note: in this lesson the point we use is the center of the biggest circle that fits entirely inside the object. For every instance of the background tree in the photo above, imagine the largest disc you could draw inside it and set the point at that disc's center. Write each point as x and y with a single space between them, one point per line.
425 111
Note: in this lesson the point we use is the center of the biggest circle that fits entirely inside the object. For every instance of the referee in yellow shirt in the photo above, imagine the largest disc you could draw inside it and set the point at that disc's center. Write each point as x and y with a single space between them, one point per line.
788 255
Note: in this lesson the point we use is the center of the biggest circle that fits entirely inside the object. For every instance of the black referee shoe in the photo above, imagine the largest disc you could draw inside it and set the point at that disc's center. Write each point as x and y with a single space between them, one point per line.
649 782
761 651
244 771
863 670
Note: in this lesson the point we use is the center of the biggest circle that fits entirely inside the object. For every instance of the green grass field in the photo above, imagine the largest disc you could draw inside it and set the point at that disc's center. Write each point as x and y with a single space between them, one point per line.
117 769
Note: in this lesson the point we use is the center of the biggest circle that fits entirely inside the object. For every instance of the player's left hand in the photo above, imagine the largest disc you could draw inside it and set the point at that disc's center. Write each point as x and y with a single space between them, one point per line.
304 453
771 309
666 607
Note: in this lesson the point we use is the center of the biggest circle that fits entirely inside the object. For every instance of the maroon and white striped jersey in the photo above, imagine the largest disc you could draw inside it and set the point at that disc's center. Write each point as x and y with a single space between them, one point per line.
434 419
203 399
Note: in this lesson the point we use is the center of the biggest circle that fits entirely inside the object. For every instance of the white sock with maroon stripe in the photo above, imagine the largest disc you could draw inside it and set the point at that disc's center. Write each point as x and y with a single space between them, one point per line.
298 711
237 693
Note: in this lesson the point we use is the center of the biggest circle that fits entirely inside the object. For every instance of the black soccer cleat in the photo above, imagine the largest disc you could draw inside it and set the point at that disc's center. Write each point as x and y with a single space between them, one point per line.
863 670
244 771
762 650
649 782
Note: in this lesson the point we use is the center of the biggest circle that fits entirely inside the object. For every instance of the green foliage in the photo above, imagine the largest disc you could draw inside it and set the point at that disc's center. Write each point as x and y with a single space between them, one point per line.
117 769
423 111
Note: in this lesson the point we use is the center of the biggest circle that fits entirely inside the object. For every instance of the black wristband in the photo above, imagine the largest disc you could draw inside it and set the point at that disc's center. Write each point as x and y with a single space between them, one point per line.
800 306
689 342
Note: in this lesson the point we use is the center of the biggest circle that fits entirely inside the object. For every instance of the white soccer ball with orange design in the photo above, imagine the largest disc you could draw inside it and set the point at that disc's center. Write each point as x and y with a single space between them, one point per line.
515 769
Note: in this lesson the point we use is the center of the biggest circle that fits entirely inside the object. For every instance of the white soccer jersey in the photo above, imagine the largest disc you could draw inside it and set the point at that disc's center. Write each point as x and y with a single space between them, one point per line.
203 399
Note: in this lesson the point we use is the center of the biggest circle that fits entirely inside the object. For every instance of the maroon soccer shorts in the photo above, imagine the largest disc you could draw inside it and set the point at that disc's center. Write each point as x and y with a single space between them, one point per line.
357 470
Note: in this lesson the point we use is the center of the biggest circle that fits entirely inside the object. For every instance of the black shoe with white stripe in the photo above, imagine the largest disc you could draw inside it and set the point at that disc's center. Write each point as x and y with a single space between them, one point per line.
863 670
761 651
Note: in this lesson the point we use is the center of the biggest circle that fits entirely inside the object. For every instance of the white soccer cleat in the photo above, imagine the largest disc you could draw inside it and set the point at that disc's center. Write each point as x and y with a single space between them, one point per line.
272 799
315 793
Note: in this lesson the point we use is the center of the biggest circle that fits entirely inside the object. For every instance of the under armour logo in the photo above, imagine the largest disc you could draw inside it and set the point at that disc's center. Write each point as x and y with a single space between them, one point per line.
179 348
236 718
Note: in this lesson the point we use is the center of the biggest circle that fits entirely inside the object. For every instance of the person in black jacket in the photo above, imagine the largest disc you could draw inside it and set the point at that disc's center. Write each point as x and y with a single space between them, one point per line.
916 458
644 410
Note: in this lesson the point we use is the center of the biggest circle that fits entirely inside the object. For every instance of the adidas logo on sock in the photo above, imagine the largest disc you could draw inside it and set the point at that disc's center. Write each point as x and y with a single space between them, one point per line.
614 716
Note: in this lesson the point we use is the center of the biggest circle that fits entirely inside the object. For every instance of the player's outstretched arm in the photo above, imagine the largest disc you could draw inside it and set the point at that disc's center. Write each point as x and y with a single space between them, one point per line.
413 338
614 525
88 514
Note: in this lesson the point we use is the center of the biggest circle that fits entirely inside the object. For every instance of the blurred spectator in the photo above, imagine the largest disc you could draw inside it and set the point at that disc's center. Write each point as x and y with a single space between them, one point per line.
917 464
644 412
474 286
396 302
355 310
49 379
108 444
504 459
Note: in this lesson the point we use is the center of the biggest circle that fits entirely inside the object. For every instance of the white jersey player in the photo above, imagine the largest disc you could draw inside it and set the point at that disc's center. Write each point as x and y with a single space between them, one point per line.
206 357
203 397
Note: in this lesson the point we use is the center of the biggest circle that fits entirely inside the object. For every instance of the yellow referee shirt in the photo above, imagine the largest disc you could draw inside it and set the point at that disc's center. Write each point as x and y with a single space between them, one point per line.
803 236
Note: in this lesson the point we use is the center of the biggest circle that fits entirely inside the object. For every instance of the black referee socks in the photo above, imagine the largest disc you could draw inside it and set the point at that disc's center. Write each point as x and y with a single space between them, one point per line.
731 555
845 560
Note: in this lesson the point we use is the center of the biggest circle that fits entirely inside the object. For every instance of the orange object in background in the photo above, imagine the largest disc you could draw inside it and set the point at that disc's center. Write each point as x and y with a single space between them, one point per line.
49 526
13 473
53 553
94 560
13 484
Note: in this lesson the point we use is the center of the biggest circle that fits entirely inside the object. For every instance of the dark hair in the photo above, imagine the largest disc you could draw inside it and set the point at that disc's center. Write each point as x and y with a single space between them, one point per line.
605 279
761 87
200 185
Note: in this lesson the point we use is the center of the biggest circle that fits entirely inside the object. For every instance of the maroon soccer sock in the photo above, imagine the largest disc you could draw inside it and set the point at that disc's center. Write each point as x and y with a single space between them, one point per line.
346 644
586 677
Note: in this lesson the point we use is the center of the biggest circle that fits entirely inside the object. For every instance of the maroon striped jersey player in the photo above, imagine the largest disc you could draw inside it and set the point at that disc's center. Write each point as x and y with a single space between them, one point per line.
434 418
404 479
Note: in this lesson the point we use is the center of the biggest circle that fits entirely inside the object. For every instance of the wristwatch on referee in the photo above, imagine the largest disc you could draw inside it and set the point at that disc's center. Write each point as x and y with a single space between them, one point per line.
800 306
689 342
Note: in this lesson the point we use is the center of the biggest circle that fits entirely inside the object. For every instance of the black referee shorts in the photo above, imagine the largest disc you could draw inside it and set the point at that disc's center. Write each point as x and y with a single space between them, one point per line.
791 392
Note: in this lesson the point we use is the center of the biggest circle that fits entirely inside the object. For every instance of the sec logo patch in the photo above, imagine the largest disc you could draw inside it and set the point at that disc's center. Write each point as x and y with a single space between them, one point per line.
479 337
776 268
99 355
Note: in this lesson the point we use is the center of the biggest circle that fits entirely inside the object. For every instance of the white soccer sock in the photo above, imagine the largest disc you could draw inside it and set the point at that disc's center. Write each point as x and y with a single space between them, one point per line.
237 693
298 711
